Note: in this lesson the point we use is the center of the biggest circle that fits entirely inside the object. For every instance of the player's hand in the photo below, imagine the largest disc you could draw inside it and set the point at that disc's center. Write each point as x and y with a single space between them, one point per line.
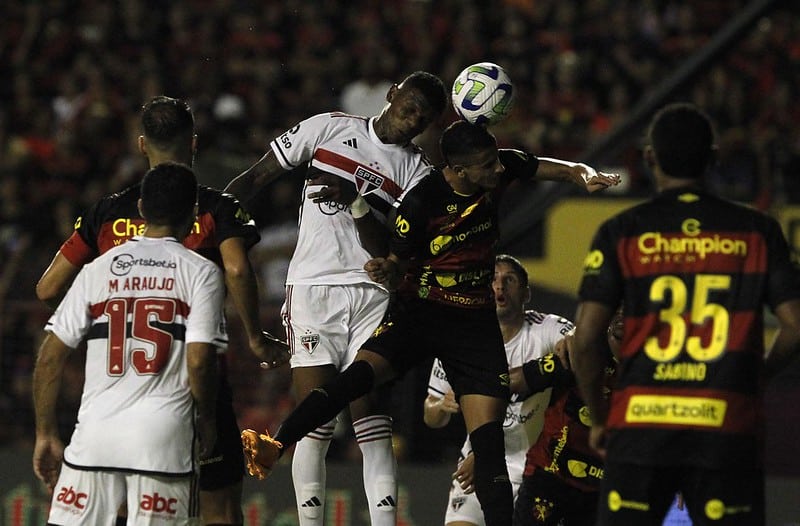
334 189
516 381
593 180
447 404
48 452
273 352
465 474
562 350
207 431
383 271
597 440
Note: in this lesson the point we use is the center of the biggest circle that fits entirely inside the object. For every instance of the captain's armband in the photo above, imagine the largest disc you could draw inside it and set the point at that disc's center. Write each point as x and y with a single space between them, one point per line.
545 372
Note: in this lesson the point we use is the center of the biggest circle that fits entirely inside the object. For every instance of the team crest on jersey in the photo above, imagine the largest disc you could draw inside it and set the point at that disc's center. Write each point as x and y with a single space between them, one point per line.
367 181
542 508
309 342
457 502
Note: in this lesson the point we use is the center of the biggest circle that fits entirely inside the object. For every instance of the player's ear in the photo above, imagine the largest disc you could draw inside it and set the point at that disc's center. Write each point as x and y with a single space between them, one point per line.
142 145
392 92
139 206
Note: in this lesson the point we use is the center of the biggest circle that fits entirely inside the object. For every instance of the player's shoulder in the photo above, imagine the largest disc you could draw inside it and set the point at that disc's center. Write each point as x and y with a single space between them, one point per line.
118 203
534 318
338 120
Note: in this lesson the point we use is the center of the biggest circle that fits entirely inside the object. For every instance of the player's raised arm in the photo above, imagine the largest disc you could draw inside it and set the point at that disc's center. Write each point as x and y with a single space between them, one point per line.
580 174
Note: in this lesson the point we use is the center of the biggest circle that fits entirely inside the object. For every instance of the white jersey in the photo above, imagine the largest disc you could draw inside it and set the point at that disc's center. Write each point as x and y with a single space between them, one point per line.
138 305
524 417
328 250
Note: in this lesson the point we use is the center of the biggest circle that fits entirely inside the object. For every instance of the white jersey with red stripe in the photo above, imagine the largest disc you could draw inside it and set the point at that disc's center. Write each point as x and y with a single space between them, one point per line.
328 250
524 416
137 306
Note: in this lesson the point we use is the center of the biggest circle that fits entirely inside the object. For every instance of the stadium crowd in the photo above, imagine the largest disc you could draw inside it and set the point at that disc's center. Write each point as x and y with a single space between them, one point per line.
77 73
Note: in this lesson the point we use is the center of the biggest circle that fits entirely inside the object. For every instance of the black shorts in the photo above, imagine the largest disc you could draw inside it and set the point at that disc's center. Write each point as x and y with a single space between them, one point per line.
546 500
467 341
633 494
225 466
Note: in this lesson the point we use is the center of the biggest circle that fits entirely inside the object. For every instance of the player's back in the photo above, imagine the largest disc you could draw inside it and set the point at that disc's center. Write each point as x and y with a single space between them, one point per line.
697 272
115 218
138 304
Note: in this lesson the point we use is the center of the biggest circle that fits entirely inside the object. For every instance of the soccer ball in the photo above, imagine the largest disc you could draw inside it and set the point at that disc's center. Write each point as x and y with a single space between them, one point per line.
483 93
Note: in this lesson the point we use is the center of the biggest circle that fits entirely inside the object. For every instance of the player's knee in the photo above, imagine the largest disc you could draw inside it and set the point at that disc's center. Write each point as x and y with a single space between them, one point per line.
354 382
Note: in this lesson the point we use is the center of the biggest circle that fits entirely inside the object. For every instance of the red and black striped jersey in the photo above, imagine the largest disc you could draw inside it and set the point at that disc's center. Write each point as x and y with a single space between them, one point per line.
694 273
115 218
450 239
562 448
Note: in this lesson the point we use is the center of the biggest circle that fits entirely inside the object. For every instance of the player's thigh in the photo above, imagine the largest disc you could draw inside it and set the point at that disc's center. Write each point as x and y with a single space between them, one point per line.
729 497
632 494
463 509
162 501
319 321
305 379
481 409
368 308
86 497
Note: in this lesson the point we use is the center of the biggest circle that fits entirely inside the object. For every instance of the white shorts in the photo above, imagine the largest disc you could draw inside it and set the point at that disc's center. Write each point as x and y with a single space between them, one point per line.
93 497
465 507
328 324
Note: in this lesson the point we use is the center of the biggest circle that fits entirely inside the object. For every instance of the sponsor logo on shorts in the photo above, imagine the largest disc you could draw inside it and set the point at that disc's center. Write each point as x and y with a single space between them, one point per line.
72 499
155 503
309 342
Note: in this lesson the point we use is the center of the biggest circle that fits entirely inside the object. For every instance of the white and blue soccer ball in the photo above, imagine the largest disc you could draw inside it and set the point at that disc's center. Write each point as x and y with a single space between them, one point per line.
483 93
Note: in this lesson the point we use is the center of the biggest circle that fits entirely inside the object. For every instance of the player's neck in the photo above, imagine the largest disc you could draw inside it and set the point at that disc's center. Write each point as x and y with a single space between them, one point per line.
510 328
159 231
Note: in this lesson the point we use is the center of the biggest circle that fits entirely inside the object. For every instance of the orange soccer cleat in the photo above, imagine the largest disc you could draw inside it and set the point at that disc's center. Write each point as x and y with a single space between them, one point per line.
261 452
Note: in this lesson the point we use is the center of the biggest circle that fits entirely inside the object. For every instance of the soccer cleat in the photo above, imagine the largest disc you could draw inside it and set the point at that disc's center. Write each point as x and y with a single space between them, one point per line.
261 452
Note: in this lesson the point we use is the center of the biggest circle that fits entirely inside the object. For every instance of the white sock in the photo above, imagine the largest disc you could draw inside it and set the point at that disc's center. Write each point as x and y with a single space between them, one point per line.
374 437
308 474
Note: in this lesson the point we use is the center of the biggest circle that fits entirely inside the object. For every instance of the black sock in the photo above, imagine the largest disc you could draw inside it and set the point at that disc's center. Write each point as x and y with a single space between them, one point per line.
325 402
492 485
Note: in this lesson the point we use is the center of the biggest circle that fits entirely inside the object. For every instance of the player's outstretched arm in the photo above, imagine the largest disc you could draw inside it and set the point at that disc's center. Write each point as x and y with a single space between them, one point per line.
251 181
577 173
